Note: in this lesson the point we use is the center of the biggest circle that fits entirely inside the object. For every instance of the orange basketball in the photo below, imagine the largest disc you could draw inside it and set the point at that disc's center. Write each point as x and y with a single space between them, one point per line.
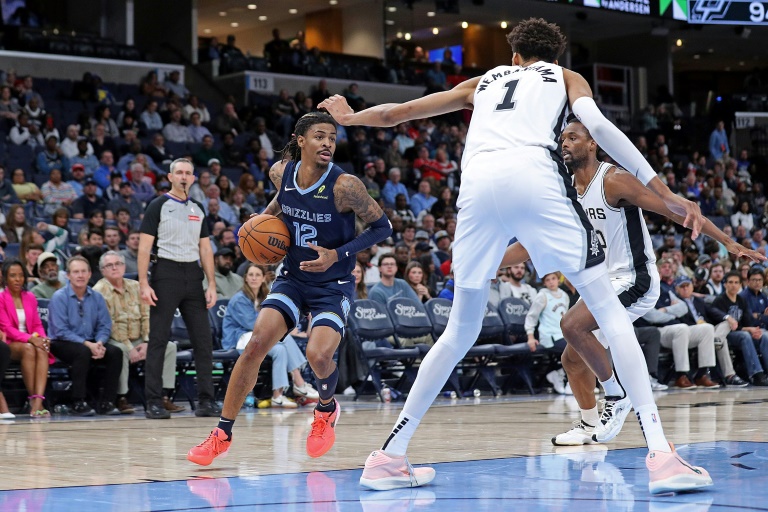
264 239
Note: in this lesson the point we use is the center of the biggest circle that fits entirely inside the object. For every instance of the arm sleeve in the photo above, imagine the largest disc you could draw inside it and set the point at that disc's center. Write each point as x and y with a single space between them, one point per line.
204 228
612 140
376 232
532 318
151 219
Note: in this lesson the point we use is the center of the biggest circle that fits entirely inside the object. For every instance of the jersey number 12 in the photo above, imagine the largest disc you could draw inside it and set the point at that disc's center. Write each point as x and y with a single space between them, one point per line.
304 233
509 103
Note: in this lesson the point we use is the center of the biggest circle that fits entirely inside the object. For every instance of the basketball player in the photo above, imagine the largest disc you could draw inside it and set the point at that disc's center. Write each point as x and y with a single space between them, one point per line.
514 184
318 202
614 201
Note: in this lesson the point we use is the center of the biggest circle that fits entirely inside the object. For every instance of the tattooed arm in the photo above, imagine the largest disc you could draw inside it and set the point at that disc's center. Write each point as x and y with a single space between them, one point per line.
352 196
276 175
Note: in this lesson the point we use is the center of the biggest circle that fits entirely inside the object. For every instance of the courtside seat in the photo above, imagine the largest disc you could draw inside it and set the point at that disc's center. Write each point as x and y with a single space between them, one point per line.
515 355
227 357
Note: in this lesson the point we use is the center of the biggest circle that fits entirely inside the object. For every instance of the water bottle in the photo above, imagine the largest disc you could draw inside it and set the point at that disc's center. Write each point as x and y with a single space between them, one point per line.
476 393
386 394
450 394
250 400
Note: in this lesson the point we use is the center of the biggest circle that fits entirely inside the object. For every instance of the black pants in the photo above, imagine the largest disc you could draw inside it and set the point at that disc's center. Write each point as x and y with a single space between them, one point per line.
5 360
80 359
178 285
650 342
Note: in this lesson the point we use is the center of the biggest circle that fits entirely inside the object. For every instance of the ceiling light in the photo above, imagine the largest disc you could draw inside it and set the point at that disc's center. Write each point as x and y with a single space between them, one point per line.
399 35
711 50
222 13
727 68
679 42
435 31
503 24
389 22
252 6
407 36
430 14
696 57
234 24
333 2
741 63
293 11
262 18
207 31
464 24
392 8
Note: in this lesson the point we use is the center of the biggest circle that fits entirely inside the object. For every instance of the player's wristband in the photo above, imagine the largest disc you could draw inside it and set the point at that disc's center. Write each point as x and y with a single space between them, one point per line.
376 232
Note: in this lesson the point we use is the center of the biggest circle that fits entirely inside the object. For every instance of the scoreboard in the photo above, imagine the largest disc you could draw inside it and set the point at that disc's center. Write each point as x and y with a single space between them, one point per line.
728 12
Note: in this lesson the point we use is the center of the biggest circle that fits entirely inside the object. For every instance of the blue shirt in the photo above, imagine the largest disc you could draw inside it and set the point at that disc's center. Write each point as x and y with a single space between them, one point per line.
718 144
756 303
383 294
390 191
70 319
240 317
419 203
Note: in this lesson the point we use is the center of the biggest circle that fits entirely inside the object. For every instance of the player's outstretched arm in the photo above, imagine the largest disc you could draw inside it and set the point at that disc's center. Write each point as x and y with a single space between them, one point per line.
391 114
276 175
616 144
622 186
514 255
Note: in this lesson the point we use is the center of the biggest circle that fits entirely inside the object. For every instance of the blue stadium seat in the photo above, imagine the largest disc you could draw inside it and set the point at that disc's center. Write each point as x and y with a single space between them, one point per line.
11 251
515 354
42 310
227 357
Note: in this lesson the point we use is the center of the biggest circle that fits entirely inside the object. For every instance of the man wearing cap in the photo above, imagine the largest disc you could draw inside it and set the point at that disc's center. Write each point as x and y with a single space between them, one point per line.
48 270
127 201
51 157
214 166
89 202
103 174
370 183
443 242
77 172
228 283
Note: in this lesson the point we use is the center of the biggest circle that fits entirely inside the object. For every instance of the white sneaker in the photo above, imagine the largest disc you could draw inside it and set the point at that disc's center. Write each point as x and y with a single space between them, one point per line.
657 386
7 416
306 391
615 411
580 434
559 381
284 402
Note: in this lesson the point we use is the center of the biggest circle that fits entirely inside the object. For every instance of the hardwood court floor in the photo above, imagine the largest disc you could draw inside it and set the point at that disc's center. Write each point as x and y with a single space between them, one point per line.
494 454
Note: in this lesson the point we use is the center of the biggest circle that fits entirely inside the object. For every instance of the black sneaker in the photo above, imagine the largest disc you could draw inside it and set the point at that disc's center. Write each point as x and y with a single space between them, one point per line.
734 381
759 379
109 409
156 411
208 408
81 408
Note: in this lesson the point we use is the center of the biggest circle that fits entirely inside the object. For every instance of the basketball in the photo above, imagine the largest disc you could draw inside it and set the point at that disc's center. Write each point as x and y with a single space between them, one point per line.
264 239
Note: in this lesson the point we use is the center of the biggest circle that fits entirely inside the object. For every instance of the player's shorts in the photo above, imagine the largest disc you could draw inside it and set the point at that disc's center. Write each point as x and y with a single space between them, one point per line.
328 303
525 193
638 293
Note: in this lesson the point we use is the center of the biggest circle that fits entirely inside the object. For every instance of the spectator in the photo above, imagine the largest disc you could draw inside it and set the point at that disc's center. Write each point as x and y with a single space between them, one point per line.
743 217
196 131
69 144
128 110
7 193
206 152
232 154
239 205
48 270
102 142
16 227
150 118
80 325
361 290
414 276
242 311
95 221
88 160
228 283
228 121
35 112
275 51
173 85
198 191
26 133
370 272
404 140
142 190
51 157
77 172
103 117
157 150
112 238
214 165
56 193
130 328
369 182
23 329
435 78
213 216
104 173
757 301
126 201
715 283
131 252
268 139
89 202
150 86
423 200
393 187
223 209
718 142
9 106
744 333
194 105
175 131
351 93
56 234
390 287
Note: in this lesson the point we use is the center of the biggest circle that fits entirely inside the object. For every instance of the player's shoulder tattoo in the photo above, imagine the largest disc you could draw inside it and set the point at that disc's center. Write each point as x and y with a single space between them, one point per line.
276 172
350 194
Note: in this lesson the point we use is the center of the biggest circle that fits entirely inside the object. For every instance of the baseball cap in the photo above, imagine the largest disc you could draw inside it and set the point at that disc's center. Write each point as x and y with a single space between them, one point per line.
701 273
423 247
369 165
125 184
441 234
45 257
422 234
78 166
115 174
682 280
52 136
163 185
89 181
704 259
225 251
213 161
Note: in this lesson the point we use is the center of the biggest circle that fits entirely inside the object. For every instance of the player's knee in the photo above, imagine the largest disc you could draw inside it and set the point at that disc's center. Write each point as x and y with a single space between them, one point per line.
256 349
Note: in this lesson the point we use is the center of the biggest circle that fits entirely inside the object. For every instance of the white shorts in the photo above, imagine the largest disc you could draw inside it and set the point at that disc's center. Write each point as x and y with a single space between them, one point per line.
525 194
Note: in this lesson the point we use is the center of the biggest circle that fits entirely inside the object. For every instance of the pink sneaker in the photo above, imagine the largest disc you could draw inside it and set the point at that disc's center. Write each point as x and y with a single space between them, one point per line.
670 473
383 473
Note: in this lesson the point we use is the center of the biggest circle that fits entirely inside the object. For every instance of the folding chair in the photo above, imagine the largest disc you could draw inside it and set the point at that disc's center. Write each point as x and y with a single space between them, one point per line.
226 357
517 355
410 320
369 321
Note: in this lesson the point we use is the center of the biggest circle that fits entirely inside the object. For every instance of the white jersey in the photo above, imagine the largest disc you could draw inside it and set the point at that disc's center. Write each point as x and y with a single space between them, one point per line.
517 107
621 231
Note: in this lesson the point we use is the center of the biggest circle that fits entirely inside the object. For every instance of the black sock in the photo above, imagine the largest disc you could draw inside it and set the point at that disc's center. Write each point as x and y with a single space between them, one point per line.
329 407
226 425
167 392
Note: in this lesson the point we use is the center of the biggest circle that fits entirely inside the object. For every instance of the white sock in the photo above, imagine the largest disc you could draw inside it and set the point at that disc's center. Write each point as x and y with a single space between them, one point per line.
590 416
612 387
650 423
397 443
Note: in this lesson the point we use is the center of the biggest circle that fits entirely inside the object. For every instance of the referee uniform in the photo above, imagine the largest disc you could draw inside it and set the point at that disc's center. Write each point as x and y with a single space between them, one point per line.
177 280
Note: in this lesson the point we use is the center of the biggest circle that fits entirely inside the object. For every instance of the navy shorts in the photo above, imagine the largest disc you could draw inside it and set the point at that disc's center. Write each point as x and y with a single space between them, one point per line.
328 303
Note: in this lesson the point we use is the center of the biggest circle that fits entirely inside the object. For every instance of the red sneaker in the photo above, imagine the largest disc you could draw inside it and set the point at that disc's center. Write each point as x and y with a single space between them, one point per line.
205 452
323 435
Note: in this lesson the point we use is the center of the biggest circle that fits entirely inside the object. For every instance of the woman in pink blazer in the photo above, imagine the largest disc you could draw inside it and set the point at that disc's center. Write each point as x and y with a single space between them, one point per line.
27 338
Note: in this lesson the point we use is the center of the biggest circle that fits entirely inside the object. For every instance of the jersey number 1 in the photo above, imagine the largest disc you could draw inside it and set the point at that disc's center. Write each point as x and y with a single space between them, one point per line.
509 103
304 233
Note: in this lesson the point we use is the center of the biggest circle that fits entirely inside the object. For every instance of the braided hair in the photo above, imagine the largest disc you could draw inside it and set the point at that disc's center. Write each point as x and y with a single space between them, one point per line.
292 151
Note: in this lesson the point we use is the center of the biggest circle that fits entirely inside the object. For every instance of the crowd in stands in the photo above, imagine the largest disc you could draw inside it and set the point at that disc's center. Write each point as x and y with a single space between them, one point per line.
73 192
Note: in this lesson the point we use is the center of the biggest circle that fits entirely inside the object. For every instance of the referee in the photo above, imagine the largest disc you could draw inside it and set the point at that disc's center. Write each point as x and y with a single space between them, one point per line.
174 226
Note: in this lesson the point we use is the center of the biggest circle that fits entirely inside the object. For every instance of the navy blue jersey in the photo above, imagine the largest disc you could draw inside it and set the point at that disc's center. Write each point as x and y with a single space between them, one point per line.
311 216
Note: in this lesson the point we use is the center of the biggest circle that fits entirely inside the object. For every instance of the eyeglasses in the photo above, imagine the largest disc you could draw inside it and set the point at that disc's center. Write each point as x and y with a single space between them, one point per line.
80 308
112 266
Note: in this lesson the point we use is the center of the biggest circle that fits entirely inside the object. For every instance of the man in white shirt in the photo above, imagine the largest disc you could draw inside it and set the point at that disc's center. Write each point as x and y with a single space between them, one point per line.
69 144
514 276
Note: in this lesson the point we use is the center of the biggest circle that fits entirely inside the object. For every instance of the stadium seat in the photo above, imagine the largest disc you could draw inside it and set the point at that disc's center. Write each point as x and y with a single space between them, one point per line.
515 355
227 357
42 310
11 251
369 321
410 320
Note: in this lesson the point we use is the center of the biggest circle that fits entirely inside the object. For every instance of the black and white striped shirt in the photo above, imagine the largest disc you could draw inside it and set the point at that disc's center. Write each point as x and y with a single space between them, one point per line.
177 227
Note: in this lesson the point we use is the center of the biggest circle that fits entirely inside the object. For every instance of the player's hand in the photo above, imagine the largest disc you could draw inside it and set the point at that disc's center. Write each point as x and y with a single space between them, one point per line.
742 252
210 296
326 258
694 220
148 295
338 107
